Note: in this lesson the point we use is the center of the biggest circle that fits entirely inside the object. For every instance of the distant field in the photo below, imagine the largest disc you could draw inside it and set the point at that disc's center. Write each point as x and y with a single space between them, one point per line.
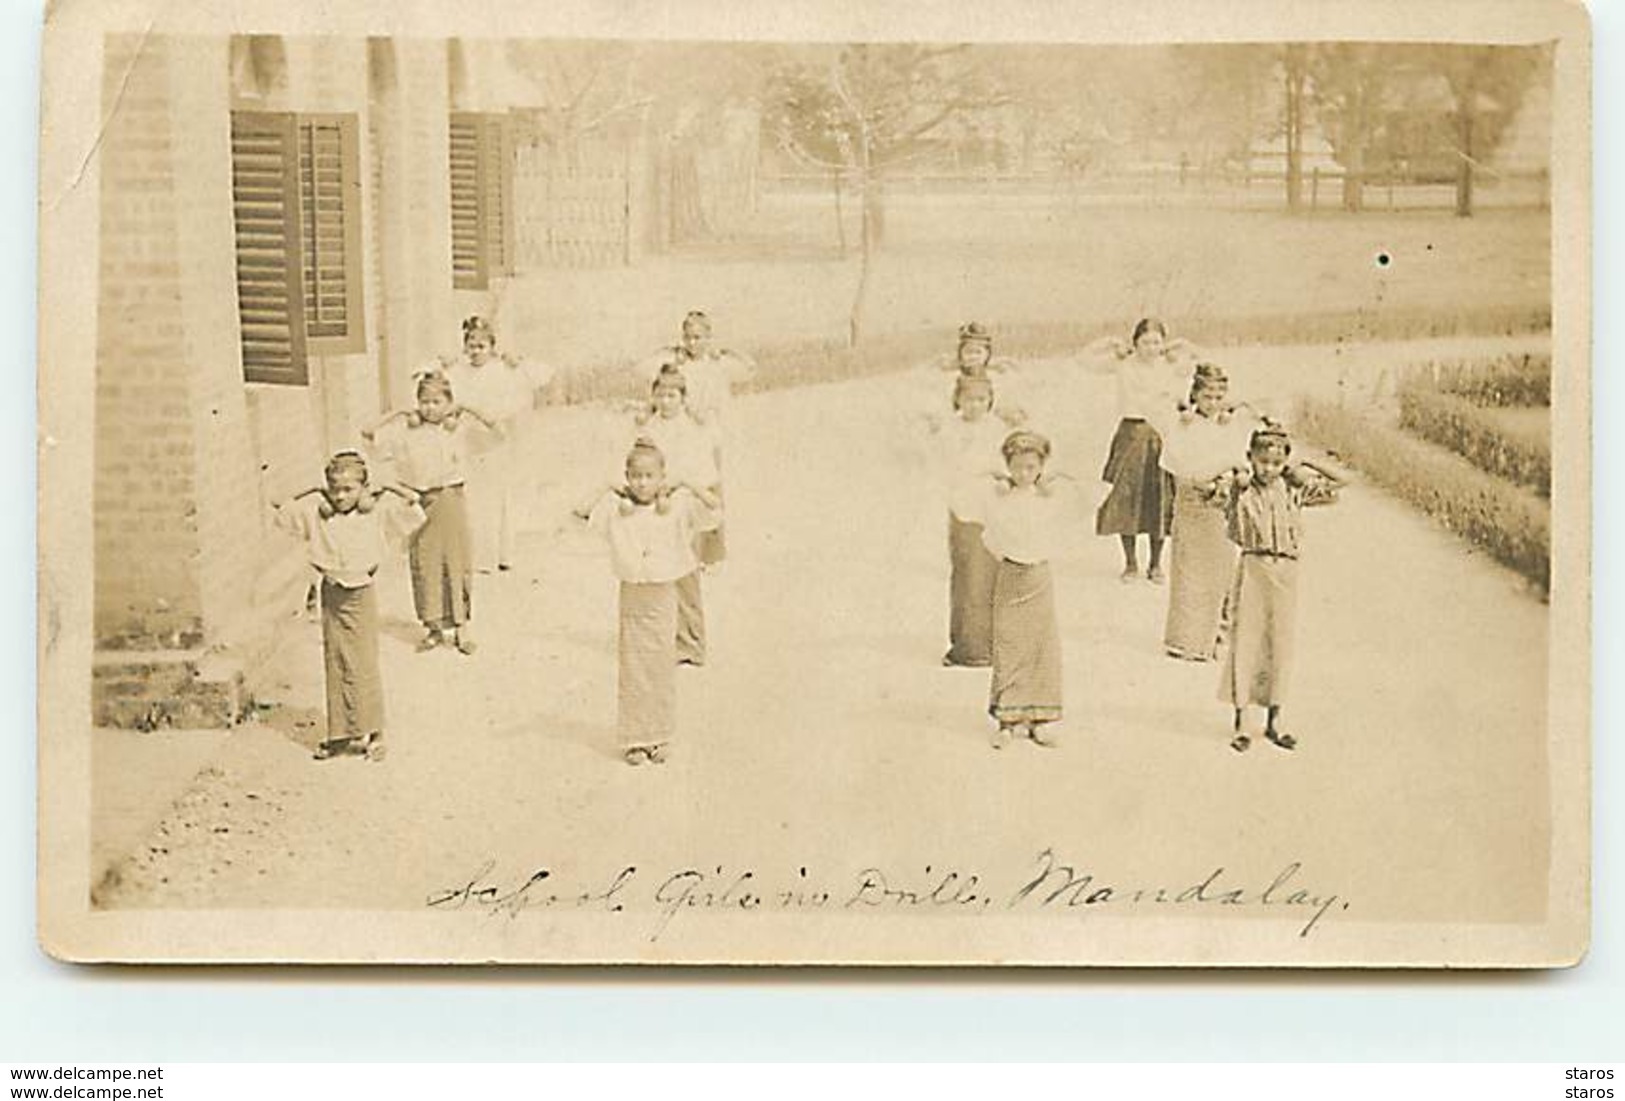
1023 260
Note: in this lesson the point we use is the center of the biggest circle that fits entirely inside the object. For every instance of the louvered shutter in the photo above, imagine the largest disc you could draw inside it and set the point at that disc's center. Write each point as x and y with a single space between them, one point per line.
329 191
270 283
497 169
469 268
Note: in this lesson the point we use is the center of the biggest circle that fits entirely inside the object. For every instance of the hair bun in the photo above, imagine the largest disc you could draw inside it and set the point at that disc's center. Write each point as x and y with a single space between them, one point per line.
974 332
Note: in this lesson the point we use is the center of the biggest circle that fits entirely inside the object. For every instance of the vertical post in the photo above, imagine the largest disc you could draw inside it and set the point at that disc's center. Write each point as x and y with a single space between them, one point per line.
1464 171
1314 189
626 201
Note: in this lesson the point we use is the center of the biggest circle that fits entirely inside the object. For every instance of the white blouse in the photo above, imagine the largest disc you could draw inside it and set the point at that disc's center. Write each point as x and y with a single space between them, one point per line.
646 545
428 456
346 547
690 447
497 388
1024 525
971 457
1201 449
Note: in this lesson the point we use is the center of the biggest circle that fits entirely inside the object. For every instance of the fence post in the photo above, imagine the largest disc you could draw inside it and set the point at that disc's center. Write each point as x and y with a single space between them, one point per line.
1314 190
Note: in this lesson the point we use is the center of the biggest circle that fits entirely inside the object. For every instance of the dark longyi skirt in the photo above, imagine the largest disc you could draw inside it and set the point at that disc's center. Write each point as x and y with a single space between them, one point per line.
355 693
1026 646
1142 498
442 567
970 595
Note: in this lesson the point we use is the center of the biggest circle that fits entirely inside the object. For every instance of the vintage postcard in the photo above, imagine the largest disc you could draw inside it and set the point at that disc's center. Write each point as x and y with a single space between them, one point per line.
1083 484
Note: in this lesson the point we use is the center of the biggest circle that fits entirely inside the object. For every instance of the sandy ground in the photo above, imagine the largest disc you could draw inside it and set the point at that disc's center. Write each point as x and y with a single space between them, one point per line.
824 732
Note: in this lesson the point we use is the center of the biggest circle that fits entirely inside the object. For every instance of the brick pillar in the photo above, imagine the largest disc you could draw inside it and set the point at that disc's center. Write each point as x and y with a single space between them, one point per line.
174 477
144 446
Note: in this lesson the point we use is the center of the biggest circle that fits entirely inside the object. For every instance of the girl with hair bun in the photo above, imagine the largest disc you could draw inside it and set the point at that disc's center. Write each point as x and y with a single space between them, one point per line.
1141 500
970 455
650 527
341 527
1024 525
1206 440
504 388
1263 505
429 448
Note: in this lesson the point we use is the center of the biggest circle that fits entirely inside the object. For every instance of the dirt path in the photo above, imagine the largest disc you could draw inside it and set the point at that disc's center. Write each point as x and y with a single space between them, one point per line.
824 729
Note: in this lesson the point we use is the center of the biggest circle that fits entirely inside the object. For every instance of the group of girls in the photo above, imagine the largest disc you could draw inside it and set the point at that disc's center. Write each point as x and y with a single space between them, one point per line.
438 476
1216 477
663 521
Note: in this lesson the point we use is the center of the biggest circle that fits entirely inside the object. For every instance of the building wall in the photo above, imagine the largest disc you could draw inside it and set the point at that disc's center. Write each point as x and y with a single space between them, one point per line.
148 589
190 578
417 312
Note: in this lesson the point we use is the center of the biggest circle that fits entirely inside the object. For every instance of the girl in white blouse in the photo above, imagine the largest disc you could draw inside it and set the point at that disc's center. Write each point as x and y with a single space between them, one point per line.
970 455
650 527
1208 438
504 387
428 450
1025 521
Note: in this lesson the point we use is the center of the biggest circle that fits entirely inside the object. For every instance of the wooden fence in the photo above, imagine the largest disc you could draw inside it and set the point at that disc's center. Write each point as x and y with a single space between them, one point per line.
575 207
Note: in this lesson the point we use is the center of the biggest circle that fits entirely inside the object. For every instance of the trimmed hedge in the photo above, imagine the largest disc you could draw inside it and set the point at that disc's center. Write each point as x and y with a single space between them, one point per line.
816 361
1477 434
1509 522
1510 380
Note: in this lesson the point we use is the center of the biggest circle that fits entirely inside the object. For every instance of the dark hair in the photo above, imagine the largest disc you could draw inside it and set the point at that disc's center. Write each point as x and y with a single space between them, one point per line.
435 382
1207 376
644 446
348 459
964 382
1022 440
1268 437
671 376
1145 325
477 324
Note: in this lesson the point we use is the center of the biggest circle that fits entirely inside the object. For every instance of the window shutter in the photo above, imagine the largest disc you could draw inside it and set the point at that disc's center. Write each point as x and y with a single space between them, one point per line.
270 284
497 169
469 269
329 191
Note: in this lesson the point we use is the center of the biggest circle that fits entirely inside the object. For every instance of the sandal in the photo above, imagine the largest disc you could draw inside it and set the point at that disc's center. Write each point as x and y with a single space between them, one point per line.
464 645
333 747
430 641
636 755
1241 743
1002 737
656 754
1284 741
1040 734
374 749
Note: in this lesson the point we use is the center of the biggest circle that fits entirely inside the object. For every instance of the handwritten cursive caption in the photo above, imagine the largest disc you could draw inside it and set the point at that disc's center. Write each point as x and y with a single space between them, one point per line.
1050 885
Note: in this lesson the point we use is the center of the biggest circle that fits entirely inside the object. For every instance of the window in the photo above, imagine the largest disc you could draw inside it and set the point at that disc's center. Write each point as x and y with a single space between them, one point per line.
481 200
296 194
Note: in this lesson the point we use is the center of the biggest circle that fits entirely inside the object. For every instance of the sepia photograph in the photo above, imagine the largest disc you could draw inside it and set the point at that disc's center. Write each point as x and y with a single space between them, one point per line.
1042 494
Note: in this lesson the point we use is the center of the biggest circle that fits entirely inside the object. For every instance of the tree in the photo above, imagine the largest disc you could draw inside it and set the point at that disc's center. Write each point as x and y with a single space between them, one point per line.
1348 80
1295 77
863 111
1487 84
